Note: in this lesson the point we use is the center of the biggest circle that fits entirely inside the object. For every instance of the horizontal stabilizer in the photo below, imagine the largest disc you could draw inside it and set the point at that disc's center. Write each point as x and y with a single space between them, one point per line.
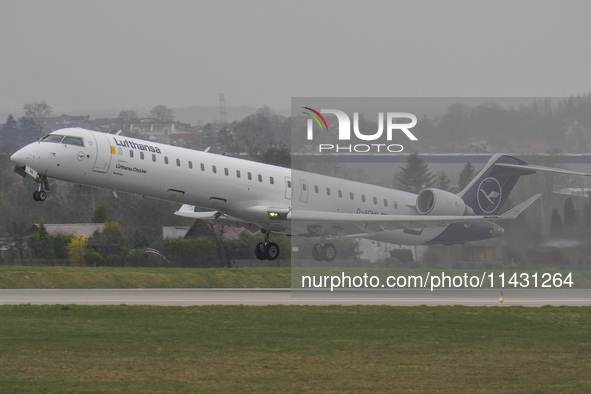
532 167
514 212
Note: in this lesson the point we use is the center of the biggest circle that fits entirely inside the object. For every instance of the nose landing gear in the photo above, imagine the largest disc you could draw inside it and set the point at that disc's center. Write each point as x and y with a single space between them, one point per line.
41 193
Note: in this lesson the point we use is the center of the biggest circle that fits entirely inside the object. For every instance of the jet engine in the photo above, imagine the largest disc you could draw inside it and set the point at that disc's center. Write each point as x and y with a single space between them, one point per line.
441 203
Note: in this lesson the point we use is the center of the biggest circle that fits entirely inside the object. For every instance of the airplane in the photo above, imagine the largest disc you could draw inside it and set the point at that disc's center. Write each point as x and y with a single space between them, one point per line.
277 199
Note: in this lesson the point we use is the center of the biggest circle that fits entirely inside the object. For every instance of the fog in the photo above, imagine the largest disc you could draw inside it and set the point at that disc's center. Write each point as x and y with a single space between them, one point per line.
94 55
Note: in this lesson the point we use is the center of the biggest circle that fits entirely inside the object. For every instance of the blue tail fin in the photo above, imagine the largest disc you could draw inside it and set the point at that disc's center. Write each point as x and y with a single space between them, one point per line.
489 190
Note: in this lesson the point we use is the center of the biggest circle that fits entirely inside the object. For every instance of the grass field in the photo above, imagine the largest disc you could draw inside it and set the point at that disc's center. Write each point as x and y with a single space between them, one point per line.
22 277
294 349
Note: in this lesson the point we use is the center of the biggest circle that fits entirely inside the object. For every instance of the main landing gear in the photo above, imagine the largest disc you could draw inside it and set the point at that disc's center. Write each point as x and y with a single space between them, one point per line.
41 193
324 251
267 250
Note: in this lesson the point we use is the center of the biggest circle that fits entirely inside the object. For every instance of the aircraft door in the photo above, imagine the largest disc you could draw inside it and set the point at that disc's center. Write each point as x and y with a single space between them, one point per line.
104 151
303 190
288 187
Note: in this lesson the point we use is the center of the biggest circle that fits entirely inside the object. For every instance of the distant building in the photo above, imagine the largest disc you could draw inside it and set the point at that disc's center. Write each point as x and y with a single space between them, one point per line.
63 121
75 229
147 129
174 232
205 229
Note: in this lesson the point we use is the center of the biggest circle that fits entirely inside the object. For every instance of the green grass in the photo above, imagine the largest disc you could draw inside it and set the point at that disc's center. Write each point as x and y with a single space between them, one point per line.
18 277
294 349
24 277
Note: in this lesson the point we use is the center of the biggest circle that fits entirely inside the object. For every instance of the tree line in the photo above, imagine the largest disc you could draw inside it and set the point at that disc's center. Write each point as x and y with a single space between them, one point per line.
266 137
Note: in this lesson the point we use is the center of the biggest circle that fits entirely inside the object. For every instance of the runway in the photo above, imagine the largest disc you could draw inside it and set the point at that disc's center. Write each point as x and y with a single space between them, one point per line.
398 297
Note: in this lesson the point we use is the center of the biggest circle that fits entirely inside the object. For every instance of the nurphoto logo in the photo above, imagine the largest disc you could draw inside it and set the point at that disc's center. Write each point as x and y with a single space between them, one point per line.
391 124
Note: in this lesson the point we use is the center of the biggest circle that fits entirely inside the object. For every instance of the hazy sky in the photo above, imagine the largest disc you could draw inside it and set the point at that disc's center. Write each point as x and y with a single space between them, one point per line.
92 55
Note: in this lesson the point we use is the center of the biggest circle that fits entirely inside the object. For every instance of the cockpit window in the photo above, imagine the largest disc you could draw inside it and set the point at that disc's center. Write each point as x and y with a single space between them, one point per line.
52 138
73 141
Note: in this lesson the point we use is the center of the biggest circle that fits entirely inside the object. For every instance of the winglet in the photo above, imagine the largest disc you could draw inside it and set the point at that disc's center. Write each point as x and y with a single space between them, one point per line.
513 213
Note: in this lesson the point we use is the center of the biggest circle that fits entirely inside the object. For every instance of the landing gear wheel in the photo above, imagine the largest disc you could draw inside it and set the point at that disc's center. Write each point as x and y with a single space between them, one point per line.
271 250
329 252
41 195
259 251
324 252
317 252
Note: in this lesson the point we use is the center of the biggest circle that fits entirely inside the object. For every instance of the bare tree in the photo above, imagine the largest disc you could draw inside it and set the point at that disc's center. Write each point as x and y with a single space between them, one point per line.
161 114
128 116
276 155
16 230
256 130
38 111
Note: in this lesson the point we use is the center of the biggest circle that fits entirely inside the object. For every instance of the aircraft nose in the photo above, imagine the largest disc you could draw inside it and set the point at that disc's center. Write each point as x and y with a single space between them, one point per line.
20 157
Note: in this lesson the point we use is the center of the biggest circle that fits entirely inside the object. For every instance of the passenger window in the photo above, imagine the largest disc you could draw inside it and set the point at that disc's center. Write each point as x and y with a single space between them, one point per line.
202 167
237 173
289 184
142 155
226 172
328 191
316 188
272 181
395 205
340 194
260 178
385 202
178 162
130 153
165 159
352 196
214 169
190 164
249 176
304 186
154 157
363 198
375 201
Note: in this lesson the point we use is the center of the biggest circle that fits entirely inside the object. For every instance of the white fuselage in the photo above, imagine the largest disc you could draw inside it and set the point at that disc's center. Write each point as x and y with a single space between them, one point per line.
239 188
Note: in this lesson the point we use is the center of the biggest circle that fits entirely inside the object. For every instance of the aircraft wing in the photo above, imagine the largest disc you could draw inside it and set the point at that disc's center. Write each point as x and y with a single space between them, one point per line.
340 223
372 223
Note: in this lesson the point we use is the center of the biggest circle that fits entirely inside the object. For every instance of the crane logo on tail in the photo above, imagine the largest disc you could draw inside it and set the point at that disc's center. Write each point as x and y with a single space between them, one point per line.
489 195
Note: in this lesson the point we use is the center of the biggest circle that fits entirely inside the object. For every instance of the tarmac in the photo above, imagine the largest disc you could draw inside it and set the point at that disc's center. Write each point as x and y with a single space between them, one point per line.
393 297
